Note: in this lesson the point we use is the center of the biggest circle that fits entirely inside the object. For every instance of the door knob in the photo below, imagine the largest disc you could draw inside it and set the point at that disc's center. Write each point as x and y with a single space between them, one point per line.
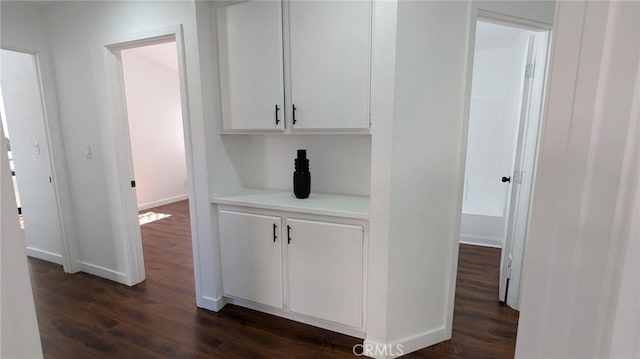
506 179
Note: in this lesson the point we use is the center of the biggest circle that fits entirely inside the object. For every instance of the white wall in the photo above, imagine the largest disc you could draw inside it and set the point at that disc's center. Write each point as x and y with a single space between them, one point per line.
583 199
492 130
625 341
415 149
428 118
22 28
78 32
23 22
30 149
19 335
482 230
338 163
418 165
155 124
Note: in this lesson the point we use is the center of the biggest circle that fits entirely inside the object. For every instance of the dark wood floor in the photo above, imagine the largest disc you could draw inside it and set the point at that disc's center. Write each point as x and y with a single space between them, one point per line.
82 316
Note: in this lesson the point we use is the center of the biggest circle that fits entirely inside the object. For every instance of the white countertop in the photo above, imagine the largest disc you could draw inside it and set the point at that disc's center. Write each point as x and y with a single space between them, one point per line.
337 205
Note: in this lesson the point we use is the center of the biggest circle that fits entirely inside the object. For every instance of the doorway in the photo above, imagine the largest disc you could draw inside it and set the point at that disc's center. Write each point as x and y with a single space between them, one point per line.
24 122
151 119
504 119
152 92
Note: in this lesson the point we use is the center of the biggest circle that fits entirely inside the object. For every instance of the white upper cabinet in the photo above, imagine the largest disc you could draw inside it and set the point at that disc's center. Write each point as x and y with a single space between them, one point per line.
251 65
314 55
330 64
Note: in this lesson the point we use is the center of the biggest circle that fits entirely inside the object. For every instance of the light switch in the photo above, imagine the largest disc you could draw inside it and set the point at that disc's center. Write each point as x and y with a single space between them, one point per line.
87 152
36 148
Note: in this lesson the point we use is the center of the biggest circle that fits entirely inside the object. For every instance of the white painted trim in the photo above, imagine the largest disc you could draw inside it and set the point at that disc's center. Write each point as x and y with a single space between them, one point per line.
484 241
128 203
406 345
44 255
383 68
214 304
200 229
162 202
144 38
462 156
104 272
509 20
206 248
121 145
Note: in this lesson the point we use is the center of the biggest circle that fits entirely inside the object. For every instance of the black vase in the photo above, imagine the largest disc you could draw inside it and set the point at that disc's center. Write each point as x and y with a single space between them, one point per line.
301 176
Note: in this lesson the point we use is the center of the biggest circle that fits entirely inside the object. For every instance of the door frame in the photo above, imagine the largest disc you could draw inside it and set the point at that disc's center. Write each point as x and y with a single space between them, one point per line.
127 204
479 14
56 158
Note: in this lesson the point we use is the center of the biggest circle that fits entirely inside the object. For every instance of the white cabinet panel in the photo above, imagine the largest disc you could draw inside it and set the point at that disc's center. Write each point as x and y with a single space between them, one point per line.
330 70
251 256
324 270
251 65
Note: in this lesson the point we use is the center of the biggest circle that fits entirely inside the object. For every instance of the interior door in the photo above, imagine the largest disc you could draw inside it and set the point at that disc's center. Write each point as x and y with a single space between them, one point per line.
26 124
522 191
518 200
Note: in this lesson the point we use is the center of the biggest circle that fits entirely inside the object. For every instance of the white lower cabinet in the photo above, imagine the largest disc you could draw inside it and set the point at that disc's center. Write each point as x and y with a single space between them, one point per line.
302 267
251 255
324 270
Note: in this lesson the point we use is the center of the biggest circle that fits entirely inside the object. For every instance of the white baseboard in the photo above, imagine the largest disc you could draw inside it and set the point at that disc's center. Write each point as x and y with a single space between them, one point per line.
480 240
162 202
104 273
403 346
214 304
44 255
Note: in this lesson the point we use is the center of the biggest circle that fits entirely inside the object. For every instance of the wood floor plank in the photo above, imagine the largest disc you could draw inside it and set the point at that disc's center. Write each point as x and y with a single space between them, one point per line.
82 316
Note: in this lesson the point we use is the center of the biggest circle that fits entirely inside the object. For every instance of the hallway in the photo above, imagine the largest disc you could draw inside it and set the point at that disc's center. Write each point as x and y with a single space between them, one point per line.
82 316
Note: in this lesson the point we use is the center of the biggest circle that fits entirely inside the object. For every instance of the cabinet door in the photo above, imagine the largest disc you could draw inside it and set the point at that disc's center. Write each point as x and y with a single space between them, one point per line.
325 270
330 55
251 65
251 256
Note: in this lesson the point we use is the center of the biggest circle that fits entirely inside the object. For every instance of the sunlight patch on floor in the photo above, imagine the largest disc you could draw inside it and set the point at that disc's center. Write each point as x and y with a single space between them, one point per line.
149 217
